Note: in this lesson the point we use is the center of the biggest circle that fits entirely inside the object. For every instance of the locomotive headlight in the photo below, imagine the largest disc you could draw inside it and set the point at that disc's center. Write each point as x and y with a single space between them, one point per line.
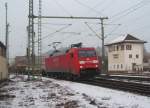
81 66
95 61
82 62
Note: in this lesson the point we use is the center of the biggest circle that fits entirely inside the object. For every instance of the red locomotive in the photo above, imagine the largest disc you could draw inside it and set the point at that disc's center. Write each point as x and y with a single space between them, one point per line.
73 63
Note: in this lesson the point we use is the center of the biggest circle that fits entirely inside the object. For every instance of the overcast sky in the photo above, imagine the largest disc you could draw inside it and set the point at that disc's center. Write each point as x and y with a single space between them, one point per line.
133 15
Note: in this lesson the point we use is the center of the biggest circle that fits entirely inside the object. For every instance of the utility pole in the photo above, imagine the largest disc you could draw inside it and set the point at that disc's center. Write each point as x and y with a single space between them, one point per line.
7 33
102 38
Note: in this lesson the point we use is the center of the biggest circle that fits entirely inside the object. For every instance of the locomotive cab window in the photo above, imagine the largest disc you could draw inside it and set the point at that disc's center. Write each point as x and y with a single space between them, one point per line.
87 53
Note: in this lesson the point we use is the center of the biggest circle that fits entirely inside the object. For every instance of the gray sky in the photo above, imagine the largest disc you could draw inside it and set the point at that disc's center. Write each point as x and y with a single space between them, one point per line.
133 15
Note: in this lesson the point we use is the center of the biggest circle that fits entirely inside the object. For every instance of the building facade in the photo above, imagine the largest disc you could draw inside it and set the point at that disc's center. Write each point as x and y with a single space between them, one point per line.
125 54
3 63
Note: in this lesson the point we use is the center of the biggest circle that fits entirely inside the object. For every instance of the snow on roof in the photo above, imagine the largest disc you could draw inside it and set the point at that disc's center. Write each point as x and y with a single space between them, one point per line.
118 39
126 38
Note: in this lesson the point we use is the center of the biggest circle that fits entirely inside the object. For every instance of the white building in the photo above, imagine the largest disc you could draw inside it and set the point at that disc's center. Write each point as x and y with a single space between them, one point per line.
125 54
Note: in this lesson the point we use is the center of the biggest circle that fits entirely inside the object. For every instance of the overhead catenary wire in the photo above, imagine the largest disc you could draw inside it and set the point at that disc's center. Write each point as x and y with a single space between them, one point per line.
69 36
48 25
74 33
98 23
53 24
55 32
104 24
93 30
113 30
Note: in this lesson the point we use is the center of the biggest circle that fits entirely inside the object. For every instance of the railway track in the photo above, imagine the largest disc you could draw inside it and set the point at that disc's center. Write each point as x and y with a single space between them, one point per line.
130 78
134 87
138 88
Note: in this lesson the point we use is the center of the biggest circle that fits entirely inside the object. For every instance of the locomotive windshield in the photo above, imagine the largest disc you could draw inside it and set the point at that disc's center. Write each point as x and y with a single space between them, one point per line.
87 53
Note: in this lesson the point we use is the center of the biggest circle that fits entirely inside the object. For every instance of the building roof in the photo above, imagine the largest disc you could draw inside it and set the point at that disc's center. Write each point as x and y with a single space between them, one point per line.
125 39
2 45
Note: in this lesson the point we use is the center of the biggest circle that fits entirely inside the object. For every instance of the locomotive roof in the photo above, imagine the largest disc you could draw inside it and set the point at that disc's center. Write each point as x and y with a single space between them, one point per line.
86 48
62 51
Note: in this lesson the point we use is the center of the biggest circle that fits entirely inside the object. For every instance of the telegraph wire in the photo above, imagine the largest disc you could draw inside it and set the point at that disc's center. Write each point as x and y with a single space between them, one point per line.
62 7
98 4
129 10
141 28
90 8
121 12
102 2
107 5
127 13
134 20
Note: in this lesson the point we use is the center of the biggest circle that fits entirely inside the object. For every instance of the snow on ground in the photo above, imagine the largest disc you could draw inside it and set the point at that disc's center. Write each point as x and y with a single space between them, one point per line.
110 98
51 93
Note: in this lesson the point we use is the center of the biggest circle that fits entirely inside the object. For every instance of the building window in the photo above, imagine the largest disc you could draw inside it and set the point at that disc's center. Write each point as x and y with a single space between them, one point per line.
117 66
128 47
137 56
130 55
114 66
121 66
115 56
114 48
117 47
110 49
122 47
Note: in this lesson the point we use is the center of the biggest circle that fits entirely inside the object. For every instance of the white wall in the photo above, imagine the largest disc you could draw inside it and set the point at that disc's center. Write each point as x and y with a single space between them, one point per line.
136 49
123 58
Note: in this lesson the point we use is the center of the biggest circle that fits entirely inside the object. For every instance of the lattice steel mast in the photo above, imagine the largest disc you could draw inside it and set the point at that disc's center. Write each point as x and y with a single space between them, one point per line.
31 36
39 36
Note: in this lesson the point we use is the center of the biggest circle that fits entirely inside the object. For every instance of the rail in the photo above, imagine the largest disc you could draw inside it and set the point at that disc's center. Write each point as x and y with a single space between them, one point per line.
138 88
